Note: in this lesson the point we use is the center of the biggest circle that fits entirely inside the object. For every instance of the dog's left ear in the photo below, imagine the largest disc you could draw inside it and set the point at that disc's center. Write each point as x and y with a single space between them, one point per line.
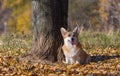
63 31
76 30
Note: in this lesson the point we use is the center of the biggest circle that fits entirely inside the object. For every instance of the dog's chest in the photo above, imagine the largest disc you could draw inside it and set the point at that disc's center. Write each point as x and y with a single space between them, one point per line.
70 51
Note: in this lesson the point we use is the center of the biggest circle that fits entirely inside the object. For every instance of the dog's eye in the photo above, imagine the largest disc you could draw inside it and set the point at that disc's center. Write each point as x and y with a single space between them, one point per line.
69 35
73 35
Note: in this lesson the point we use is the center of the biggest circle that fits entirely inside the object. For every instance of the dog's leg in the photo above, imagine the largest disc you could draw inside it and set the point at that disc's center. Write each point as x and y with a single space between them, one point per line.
66 60
72 60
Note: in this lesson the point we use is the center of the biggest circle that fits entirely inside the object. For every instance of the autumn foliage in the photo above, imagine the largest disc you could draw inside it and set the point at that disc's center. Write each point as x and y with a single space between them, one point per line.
105 57
20 19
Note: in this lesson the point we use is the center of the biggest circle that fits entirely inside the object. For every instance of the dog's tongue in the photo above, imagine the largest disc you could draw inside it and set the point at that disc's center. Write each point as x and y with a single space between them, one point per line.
72 42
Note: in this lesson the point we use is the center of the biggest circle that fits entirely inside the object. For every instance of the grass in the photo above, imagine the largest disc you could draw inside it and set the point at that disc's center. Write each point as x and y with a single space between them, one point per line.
101 40
103 47
88 40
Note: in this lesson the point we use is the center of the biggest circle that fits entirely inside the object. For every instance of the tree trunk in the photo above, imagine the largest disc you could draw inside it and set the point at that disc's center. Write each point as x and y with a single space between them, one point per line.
48 17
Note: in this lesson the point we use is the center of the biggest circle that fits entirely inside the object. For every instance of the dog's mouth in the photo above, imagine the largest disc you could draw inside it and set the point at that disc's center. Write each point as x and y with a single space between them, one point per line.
72 42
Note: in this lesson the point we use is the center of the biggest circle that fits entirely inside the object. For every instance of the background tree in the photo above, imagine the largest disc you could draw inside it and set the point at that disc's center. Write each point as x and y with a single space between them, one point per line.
48 17
93 15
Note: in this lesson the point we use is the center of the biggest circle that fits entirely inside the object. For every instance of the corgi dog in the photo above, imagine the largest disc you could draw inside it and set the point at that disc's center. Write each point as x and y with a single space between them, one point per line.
72 48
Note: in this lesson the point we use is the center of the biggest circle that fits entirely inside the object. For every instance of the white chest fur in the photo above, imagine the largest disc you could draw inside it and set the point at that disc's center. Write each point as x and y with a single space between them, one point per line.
72 51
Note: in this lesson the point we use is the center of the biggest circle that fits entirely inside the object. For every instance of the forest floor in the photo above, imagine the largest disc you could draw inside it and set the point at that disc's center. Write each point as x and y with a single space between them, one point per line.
103 48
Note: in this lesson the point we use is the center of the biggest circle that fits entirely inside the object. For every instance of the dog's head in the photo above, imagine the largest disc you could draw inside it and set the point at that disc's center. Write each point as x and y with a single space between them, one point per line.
70 37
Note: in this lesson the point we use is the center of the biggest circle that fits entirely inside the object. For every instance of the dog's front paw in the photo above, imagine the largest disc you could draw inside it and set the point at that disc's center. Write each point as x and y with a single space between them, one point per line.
65 62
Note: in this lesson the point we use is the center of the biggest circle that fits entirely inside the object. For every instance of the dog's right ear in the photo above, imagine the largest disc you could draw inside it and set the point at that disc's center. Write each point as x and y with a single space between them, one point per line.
63 31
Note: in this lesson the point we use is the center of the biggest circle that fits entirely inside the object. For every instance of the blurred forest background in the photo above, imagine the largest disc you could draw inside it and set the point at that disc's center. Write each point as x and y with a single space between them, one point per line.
93 15
99 21
15 16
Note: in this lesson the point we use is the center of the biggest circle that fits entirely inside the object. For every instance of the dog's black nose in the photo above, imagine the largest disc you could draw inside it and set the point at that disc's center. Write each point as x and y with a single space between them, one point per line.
72 39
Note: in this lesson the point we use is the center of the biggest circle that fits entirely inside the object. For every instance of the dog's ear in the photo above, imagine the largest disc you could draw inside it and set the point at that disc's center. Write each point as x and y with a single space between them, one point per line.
63 31
76 30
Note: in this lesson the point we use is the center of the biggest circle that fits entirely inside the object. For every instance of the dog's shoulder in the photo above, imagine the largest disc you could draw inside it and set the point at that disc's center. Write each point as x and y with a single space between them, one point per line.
65 48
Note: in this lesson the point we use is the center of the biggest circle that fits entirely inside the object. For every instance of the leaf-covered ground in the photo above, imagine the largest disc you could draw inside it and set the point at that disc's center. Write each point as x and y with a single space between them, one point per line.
105 61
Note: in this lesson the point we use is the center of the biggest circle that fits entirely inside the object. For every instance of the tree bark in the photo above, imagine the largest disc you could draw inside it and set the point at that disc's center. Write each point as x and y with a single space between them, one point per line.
48 17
